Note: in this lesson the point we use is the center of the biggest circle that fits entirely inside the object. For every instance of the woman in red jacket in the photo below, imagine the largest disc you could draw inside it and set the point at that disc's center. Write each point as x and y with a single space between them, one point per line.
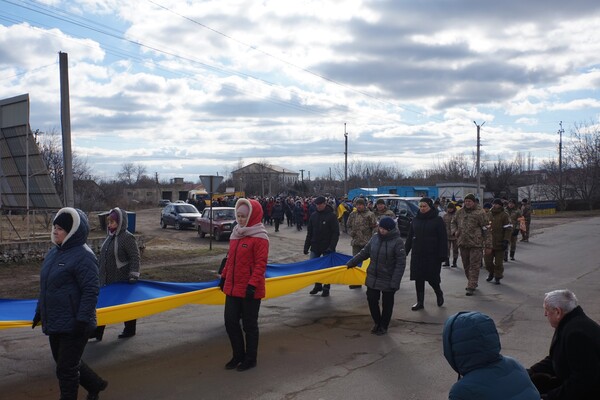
243 282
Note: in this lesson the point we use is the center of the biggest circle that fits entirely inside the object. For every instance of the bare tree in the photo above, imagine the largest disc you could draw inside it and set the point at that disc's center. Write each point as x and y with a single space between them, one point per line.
499 176
127 173
553 188
50 146
141 173
583 156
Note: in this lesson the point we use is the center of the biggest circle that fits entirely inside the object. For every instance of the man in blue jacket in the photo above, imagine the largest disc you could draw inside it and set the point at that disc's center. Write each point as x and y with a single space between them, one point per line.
472 348
67 303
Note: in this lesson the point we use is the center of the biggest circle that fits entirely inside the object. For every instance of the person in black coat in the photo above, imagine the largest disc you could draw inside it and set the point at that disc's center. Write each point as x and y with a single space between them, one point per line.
428 240
322 235
572 369
277 214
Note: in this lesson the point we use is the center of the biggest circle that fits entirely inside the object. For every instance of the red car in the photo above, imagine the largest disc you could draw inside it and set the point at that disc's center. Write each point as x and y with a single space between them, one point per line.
223 220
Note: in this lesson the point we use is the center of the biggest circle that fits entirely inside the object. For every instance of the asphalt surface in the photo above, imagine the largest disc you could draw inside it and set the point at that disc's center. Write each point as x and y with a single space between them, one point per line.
321 348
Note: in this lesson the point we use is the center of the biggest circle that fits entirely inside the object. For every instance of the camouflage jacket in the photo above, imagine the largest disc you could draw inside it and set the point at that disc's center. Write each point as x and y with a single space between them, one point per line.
469 226
513 215
385 213
448 220
360 227
499 229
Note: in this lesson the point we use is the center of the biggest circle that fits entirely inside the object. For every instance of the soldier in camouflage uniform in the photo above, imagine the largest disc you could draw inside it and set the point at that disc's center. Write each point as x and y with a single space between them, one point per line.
513 213
469 226
497 241
381 210
361 224
452 246
526 212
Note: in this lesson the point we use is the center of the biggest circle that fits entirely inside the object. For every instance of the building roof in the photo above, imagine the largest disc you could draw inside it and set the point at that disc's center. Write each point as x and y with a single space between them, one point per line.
257 168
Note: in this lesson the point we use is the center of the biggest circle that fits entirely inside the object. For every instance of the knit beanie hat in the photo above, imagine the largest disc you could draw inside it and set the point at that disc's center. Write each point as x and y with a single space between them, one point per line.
380 201
470 196
428 201
64 220
497 201
359 201
451 205
387 223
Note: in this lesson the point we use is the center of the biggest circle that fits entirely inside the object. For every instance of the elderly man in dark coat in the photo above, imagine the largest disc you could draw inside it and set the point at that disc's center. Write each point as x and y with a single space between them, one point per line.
428 241
572 369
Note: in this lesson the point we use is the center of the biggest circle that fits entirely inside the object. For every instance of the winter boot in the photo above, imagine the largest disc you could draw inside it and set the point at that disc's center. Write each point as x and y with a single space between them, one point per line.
318 288
490 277
454 260
512 255
446 263
439 297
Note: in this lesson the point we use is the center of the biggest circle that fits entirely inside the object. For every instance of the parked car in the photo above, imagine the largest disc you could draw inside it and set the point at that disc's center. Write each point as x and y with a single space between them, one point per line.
163 202
180 216
405 208
223 220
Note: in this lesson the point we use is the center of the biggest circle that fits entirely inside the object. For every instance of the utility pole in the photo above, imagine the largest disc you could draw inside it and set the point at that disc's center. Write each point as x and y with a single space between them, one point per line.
479 194
302 175
560 179
65 119
345 161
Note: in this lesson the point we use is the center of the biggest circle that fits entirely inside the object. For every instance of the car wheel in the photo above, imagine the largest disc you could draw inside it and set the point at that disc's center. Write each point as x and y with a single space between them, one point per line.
217 236
200 233
177 226
163 224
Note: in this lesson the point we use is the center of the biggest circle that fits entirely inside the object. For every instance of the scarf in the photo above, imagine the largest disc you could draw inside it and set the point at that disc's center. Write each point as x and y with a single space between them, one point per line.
257 230
120 264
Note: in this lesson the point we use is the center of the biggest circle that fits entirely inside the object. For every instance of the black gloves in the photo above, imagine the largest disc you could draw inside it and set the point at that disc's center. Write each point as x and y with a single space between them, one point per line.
305 250
79 329
351 266
504 244
222 283
36 320
250 290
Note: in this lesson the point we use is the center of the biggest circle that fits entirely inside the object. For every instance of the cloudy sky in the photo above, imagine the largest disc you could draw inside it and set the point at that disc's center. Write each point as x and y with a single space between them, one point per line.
189 88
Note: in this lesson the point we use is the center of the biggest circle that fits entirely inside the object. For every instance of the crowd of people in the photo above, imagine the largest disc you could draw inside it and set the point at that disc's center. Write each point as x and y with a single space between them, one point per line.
482 235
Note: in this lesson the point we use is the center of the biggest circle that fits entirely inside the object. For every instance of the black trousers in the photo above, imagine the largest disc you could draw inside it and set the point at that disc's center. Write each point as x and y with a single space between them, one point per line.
71 371
236 309
381 316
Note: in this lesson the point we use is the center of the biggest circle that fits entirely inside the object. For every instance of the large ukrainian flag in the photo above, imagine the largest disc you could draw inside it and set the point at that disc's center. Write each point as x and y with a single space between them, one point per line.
123 302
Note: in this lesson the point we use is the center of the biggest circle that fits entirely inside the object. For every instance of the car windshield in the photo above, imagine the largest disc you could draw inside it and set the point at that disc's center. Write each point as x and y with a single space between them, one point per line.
224 214
185 208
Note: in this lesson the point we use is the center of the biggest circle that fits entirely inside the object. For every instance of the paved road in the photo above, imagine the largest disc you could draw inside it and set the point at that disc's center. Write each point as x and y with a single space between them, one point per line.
316 348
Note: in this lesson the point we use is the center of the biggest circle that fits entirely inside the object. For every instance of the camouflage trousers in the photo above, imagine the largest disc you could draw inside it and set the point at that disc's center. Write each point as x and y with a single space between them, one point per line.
452 249
471 259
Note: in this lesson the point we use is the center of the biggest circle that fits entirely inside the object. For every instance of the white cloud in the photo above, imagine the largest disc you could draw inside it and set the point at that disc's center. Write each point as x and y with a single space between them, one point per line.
279 79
